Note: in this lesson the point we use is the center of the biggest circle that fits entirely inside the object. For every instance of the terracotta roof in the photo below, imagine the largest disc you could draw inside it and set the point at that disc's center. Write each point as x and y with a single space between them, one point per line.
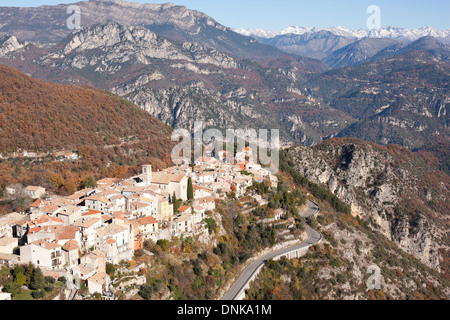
98 278
111 229
147 220
76 196
182 218
54 229
166 178
98 198
46 219
35 230
32 188
206 199
139 204
50 208
71 246
5 241
69 210
90 222
46 245
61 202
110 241
36 204
68 233
108 181
91 212
184 209
119 215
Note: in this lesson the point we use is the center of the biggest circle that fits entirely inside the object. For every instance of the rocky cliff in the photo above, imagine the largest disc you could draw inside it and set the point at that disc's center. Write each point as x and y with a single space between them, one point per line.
403 196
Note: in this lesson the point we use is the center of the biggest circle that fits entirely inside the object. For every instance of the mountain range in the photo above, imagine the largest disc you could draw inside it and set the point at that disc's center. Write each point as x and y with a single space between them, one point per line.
180 81
341 47
386 32
46 25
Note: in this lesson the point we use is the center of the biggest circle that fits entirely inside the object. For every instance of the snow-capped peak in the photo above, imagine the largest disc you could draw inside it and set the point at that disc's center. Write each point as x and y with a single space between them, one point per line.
386 32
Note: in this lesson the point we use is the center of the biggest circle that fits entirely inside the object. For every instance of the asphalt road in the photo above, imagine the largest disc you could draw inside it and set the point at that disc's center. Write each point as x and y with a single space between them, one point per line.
313 238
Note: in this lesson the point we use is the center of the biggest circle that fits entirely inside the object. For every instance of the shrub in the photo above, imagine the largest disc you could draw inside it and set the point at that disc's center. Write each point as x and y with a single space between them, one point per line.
49 288
164 244
110 269
50 280
62 279
38 294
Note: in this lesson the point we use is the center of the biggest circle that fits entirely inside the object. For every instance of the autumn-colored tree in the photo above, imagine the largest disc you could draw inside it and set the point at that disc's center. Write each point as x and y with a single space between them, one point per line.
121 172
57 180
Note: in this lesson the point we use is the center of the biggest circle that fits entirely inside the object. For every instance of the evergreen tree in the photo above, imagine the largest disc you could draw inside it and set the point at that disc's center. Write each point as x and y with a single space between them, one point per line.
175 203
37 281
29 273
190 190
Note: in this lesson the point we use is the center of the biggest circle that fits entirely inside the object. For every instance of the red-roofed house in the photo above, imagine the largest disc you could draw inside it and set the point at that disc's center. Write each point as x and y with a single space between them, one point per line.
185 209
71 156
70 253
96 202
148 226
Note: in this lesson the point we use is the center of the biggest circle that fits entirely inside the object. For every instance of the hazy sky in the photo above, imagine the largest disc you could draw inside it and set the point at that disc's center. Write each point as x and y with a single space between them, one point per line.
277 14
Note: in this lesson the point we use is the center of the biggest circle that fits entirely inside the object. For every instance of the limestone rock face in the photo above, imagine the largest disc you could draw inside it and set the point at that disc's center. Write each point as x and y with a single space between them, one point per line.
118 44
377 188
9 44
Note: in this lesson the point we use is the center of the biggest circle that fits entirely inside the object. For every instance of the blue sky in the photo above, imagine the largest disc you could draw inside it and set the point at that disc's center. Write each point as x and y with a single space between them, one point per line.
277 14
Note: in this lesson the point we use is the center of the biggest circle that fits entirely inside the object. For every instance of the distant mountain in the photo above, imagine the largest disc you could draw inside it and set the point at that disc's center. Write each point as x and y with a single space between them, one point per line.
340 47
402 100
359 51
402 34
182 82
429 44
318 45
46 25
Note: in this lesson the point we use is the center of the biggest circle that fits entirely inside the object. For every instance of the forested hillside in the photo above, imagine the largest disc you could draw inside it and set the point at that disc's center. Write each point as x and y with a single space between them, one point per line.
112 136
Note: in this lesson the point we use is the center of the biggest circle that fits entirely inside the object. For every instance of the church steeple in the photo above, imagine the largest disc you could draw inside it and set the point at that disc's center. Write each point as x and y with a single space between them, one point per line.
147 174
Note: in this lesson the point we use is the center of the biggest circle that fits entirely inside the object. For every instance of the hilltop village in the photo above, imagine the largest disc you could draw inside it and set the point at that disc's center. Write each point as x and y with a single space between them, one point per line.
75 237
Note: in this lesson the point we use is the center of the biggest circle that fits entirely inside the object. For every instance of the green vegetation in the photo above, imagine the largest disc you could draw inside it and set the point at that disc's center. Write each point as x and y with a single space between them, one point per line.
38 286
211 225
329 270
191 271
190 190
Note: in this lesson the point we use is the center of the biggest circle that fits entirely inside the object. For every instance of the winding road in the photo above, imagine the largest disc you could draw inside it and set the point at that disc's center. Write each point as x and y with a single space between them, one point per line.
314 237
